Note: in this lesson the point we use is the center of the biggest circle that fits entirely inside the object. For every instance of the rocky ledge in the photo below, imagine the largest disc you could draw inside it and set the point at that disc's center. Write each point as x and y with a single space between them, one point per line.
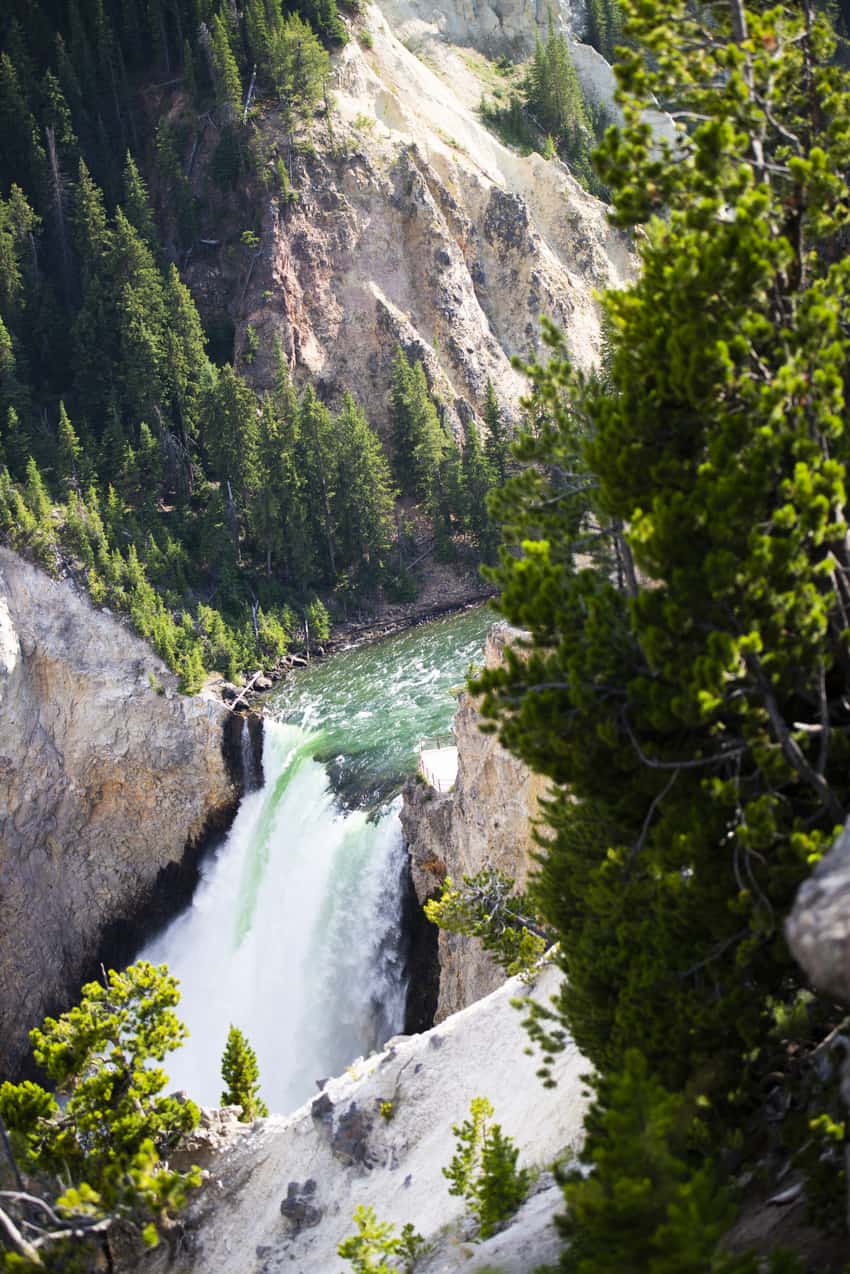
110 783
487 819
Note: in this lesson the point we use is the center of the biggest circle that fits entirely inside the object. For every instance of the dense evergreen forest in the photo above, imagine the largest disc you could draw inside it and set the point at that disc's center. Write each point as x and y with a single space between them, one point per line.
132 452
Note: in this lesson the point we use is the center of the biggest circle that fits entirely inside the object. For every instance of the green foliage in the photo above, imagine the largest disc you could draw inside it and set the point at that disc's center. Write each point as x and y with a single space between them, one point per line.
241 1075
650 1202
376 1244
107 1141
318 621
220 494
556 104
487 906
676 549
225 71
418 437
298 64
547 111
497 443
483 1170
604 26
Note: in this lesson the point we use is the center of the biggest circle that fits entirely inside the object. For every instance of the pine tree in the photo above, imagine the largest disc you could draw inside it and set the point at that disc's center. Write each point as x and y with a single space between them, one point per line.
230 435
448 501
190 81
17 444
38 501
604 26
265 512
323 17
91 227
289 482
225 71
418 437
298 65
68 451
187 368
318 465
140 316
477 481
241 1075
554 98
497 443
22 156
690 707
257 35
364 502
136 204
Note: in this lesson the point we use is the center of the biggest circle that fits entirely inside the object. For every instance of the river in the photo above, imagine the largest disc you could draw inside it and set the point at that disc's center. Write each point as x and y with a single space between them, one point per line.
294 932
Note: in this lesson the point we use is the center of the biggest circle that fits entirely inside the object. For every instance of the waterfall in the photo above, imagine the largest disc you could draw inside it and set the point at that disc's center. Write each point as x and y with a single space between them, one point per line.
294 933
249 768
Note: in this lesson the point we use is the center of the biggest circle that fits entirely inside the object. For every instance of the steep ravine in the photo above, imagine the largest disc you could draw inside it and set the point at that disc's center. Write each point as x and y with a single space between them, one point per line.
110 783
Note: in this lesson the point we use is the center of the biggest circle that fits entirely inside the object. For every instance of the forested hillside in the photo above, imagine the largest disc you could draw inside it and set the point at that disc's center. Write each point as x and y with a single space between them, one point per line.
134 453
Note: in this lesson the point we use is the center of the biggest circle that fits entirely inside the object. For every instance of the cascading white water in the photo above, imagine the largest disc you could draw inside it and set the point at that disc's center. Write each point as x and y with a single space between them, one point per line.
293 934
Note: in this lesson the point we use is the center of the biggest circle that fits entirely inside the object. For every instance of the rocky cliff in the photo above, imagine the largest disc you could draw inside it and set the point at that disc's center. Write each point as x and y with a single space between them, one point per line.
281 1195
487 818
109 783
413 224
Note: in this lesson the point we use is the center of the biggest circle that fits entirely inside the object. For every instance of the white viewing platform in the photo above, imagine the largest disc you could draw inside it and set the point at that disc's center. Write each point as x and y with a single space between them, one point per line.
438 762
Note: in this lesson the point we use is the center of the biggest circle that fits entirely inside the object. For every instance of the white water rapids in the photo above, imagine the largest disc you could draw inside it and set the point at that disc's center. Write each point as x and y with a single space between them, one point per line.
298 912
294 932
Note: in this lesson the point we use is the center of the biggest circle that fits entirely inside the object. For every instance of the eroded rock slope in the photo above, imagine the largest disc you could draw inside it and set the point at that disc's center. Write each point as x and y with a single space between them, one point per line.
108 784
413 224
280 1197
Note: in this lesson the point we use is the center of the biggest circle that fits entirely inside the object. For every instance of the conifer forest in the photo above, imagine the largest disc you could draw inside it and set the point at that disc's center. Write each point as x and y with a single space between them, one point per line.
640 454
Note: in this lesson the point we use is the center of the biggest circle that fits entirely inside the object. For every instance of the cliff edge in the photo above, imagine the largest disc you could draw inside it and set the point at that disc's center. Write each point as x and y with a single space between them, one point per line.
109 783
486 819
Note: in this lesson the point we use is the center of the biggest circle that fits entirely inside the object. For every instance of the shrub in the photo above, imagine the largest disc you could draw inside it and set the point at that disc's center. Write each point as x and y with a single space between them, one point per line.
483 1170
105 1144
486 906
375 1241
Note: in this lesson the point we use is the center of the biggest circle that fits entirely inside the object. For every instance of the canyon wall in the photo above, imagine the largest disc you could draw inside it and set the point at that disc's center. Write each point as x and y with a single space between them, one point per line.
109 783
487 819
413 225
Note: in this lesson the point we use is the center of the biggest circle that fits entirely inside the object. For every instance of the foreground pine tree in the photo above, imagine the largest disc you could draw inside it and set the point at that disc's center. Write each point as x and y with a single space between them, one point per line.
681 555
241 1074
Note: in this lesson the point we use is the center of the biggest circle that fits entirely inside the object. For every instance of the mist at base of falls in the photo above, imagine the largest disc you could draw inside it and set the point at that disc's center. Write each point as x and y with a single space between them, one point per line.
294 932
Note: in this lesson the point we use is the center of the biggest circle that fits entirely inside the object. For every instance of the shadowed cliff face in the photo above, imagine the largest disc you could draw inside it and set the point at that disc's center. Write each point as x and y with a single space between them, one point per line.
487 819
107 792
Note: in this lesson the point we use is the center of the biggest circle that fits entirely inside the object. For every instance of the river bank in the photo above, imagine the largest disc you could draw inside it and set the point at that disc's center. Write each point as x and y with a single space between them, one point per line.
350 635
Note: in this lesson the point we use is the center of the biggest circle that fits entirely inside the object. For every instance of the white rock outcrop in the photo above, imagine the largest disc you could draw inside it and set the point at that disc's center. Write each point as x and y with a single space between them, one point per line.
106 786
281 1197
818 927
